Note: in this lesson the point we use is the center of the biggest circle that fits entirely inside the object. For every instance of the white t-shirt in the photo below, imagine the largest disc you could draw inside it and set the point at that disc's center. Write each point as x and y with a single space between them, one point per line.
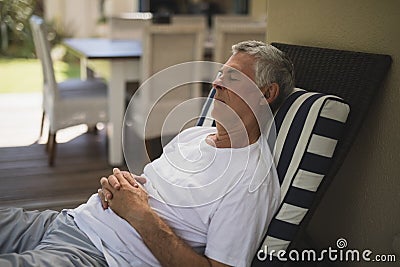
225 223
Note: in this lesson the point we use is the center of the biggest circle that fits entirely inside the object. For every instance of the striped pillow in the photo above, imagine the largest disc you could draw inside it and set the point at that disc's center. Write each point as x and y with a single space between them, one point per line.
308 127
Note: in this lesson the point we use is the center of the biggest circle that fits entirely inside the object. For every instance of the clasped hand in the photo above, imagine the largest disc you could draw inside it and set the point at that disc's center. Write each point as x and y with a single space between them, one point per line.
123 192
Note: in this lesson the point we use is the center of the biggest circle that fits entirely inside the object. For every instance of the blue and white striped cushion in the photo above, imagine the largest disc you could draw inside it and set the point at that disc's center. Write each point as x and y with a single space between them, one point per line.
308 127
205 118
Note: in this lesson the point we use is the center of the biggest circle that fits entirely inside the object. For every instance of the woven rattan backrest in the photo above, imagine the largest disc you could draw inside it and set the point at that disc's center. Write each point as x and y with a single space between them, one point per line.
354 76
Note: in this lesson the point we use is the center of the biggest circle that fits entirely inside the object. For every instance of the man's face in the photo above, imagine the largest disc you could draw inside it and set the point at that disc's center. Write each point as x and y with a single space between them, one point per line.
236 95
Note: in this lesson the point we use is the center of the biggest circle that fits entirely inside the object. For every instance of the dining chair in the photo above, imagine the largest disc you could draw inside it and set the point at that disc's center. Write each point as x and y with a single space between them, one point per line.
225 34
128 25
231 18
67 103
315 128
189 19
164 46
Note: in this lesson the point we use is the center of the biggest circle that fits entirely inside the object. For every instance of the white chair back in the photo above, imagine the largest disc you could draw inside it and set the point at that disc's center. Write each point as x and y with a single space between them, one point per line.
43 50
129 25
189 19
227 34
166 45
224 19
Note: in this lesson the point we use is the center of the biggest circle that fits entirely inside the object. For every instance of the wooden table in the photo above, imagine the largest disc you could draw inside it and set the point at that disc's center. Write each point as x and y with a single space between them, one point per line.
118 61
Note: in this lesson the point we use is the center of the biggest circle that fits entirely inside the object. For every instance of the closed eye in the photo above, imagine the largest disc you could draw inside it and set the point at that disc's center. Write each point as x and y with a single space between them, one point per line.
231 74
233 77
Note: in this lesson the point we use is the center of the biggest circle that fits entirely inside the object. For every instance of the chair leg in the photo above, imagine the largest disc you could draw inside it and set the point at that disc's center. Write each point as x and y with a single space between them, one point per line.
48 144
92 129
42 125
51 144
47 148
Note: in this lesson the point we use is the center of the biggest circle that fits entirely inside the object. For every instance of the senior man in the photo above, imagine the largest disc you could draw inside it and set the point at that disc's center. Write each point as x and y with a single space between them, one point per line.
206 201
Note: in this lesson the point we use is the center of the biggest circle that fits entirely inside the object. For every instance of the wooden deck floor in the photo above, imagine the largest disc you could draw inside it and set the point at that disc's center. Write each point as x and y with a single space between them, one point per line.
27 181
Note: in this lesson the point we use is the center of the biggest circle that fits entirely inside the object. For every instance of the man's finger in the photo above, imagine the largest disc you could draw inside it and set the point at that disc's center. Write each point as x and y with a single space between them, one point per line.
103 198
107 195
114 181
105 185
120 177
133 178
130 178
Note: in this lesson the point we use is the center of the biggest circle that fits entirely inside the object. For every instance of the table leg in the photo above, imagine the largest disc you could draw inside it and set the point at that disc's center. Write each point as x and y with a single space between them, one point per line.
86 72
84 66
116 110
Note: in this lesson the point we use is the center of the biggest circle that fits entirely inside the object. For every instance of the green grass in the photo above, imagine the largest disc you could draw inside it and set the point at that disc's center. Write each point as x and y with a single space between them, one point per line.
25 75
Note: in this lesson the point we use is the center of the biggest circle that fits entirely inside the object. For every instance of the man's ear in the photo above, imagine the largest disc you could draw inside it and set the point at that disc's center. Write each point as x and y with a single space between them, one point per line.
271 92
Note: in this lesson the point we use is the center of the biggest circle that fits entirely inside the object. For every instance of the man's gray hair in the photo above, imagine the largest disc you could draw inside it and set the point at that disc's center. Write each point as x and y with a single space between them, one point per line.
272 66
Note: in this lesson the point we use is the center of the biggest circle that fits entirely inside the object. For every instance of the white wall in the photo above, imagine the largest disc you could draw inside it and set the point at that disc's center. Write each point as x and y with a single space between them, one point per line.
73 17
79 18
116 7
362 204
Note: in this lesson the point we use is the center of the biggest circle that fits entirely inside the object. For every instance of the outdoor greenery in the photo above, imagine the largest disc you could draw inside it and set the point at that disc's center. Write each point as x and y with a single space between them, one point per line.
25 75
20 71
15 33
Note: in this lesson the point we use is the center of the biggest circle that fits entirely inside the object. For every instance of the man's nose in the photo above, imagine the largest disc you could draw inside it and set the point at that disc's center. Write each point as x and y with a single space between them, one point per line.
217 83
217 86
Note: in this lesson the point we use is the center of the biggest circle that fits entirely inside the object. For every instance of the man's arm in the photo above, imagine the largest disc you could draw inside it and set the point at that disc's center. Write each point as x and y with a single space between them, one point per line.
131 203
